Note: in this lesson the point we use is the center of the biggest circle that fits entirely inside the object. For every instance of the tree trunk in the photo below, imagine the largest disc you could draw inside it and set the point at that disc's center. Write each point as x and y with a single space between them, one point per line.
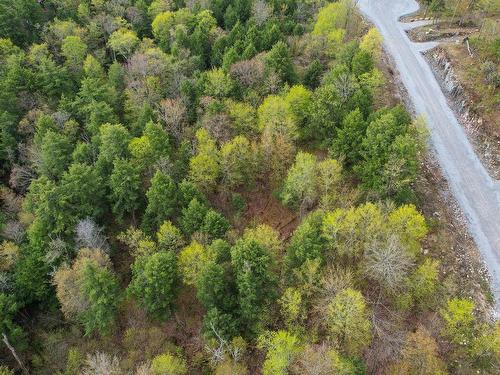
13 351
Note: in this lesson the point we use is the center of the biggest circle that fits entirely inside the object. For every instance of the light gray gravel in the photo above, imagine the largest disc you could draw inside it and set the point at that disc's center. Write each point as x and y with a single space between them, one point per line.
477 193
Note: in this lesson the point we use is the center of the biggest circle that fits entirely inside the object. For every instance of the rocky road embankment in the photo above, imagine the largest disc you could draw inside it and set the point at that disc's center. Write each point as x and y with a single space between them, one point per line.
487 148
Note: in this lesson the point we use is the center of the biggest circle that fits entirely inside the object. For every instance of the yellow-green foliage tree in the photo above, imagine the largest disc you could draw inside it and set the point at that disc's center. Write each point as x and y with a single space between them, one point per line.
162 26
169 237
282 347
309 181
237 162
372 43
192 260
332 17
204 167
168 364
123 42
267 237
348 322
458 316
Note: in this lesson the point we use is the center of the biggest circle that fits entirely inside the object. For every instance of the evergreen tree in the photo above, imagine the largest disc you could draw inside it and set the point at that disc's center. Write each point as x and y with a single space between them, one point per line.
255 282
278 60
125 183
155 282
101 289
162 199
348 143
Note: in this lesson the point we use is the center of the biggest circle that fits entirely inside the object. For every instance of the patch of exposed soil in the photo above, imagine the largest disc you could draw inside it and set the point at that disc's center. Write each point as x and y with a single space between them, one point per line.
440 31
264 208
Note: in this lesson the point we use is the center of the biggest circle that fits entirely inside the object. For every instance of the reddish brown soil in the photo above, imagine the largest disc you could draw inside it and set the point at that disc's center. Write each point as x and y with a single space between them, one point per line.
263 208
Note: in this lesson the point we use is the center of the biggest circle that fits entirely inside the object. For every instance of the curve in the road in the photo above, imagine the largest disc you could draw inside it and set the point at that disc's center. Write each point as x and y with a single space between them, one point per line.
476 192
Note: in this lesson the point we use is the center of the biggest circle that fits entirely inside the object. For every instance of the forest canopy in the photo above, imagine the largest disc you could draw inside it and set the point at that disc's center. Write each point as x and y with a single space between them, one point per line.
145 145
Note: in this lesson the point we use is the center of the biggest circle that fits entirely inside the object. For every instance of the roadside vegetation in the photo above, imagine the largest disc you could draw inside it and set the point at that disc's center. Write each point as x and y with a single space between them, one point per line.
476 64
210 187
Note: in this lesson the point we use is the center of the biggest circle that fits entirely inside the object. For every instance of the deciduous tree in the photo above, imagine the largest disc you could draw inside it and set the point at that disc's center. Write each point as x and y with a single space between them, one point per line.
423 283
169 237
192 261
300 187
458 316
348 231
299 99
348 322
267 237
162 25
372 42
173 114
237 162
168 364
123 42
419 356
282 347
204 168
74 50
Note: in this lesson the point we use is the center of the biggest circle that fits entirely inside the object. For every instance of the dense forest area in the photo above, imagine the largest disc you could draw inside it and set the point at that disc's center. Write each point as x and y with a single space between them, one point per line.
215 187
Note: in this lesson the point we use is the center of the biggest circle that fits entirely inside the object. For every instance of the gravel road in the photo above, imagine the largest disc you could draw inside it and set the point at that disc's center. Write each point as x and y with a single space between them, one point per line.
476 192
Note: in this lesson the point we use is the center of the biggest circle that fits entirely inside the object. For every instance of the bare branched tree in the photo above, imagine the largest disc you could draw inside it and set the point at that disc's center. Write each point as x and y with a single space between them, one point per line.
6 282
223 351
14 231
21 176
89 234
60 117
217 352
102 364
272 83
144 369
164 164
57 251
10 201
387 262
172 112
388 336
218 125
314 360
261 11
248 72
197 4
